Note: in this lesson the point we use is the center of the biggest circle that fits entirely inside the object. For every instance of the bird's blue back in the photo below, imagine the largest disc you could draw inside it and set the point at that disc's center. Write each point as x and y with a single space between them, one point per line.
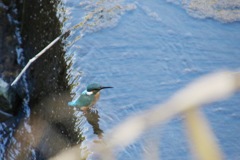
83 100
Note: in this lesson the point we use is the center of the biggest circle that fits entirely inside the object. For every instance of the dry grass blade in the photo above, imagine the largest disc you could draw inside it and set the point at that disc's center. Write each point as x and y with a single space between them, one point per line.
204 90
200 136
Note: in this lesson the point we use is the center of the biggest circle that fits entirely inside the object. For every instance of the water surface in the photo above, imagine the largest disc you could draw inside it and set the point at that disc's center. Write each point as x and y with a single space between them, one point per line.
147 51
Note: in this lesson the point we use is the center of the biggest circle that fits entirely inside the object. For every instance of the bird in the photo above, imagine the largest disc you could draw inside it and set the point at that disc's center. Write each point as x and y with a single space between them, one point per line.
88 97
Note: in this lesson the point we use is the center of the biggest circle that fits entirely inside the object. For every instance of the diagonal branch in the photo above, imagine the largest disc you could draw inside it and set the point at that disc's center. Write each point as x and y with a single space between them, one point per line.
35 58
81 24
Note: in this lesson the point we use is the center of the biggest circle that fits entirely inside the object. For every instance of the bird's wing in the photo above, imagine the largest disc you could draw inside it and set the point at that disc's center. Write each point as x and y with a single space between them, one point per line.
83 100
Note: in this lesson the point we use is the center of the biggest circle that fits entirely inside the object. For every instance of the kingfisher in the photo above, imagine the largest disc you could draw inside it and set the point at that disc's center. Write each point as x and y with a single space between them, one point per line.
88 97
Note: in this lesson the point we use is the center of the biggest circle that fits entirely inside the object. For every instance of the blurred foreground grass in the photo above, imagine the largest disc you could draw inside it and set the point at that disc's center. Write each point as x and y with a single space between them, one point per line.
205 90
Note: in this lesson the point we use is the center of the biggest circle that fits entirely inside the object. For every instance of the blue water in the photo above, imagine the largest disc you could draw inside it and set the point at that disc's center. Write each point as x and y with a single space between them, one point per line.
147 50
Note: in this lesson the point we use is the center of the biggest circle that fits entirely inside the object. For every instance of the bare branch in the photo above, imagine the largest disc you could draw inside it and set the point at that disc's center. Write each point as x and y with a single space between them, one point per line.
34 59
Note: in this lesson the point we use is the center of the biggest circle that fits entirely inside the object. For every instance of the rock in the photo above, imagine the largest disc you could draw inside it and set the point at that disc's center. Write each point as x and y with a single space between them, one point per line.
9 99
5 100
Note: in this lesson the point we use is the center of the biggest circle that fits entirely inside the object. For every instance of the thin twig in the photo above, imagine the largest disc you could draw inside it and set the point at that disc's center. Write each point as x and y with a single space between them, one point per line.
41 53
35 58
81 24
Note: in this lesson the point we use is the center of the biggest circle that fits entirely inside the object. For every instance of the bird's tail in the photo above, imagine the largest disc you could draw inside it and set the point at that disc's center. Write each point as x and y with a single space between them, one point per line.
72 104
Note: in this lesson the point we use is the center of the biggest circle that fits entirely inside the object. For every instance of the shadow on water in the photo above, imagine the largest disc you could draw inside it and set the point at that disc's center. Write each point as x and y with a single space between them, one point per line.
93 119
40 26
44 124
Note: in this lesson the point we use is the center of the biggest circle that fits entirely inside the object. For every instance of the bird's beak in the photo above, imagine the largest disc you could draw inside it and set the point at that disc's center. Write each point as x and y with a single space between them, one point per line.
105 87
